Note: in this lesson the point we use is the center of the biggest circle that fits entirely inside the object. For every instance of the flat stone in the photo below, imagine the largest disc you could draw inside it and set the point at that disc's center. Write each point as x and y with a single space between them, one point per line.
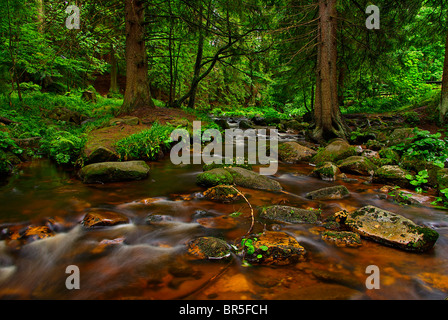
330 193
288 214
391 229
103 219
114 172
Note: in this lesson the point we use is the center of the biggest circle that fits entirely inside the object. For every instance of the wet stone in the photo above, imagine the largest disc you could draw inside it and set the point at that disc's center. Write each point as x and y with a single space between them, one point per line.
210 248
103 219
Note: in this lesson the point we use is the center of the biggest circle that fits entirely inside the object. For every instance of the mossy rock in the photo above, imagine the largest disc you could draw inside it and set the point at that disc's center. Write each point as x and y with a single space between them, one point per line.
342 238
288 214
105 172
442 178
389 153
210 248
391 229
274 248
211 166
250 179
327 171
357 165
337 150
391 175
222 193
293 152
329 193
214 177
401 135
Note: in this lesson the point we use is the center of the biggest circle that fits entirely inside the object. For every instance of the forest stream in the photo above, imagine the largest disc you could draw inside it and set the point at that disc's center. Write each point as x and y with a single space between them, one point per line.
141 260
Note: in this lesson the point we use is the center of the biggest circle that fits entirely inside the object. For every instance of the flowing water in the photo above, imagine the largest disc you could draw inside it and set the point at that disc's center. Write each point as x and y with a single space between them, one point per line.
149 261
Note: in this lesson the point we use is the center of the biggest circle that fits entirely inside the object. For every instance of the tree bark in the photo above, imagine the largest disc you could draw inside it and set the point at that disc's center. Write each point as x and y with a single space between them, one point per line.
443 109
329 123
137 94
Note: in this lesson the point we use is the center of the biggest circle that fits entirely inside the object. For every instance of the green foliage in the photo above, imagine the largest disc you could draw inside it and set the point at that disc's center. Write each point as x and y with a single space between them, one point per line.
146 144
418 180
424 146
442 200
62 146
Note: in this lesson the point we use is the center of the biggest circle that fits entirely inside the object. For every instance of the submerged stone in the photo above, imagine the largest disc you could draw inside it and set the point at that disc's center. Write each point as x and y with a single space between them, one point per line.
391 229
273 248
103 219
330 193
209 248
288 214
222 193
342 238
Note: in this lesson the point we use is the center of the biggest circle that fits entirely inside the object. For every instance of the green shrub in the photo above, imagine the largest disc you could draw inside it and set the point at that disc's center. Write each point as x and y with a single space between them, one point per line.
62 146
146 144
424 146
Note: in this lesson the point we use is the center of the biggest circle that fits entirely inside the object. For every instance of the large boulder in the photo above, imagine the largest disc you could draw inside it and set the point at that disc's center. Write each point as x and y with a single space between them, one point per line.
250 179
391 175
294 152
391 229
288 214
357 165
114 172
337 150
214 177
99 153
273 248
329 193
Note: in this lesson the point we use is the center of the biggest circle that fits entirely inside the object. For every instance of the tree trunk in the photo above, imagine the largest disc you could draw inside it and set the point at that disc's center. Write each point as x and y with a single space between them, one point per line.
329 123
443 109
137 94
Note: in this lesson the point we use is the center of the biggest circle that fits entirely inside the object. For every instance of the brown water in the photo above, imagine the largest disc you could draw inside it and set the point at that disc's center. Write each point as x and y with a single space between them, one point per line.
152 263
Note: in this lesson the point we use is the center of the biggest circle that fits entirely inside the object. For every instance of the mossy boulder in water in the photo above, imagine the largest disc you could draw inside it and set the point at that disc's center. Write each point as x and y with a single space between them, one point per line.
114 172
294 152
391 175
330 193
214 177
327 171
250 179
391 229
337 150
342 238
273 248
209 248
288 214
357 165
222 193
